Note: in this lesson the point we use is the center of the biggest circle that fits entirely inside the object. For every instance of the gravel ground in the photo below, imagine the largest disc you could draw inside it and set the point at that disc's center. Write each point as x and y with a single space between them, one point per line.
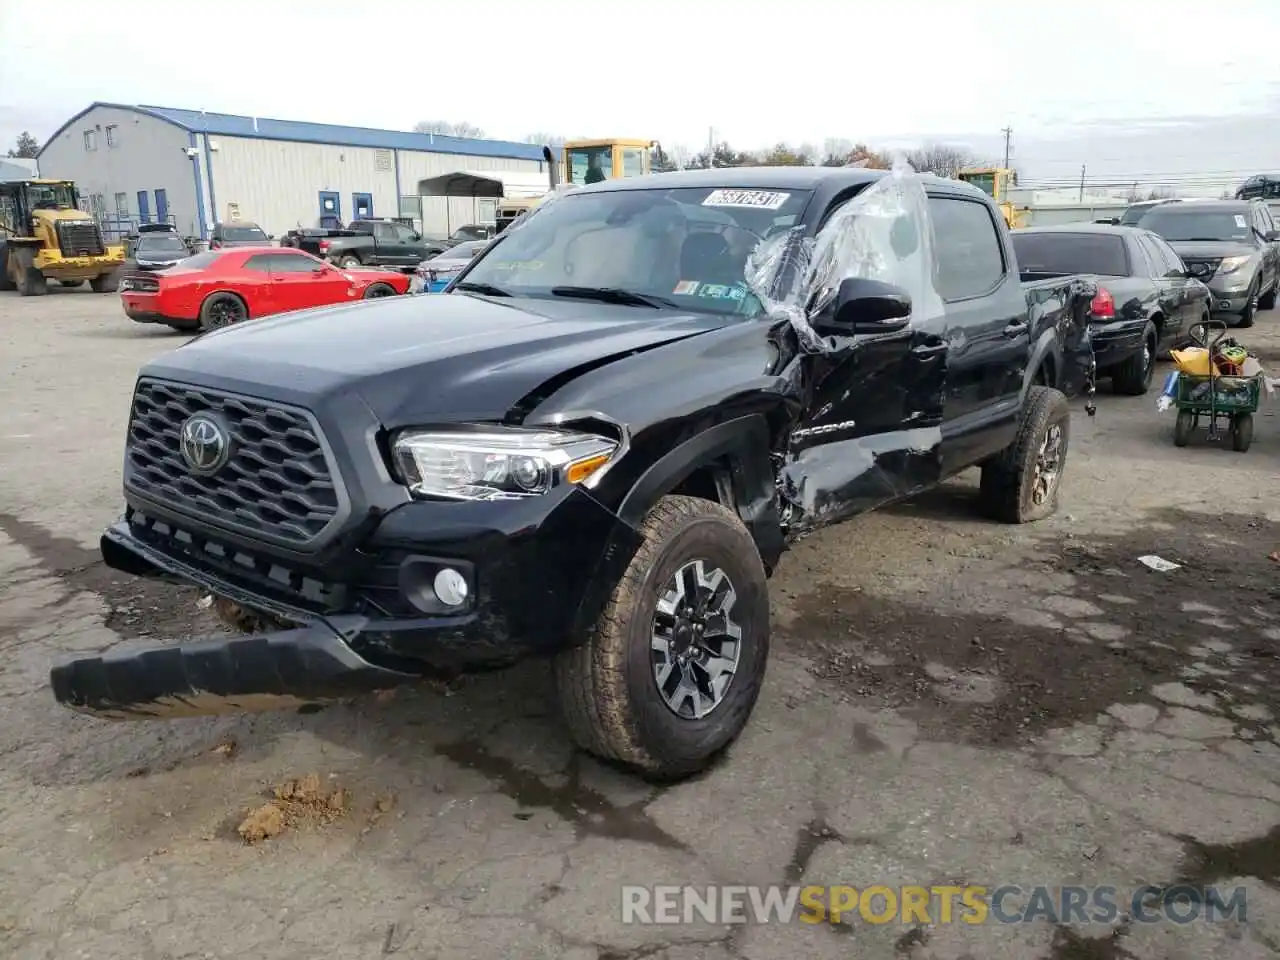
949 701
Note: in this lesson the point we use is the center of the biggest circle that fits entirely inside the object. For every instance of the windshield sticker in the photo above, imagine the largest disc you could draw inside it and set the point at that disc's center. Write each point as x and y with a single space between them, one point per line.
764 199
687 287
718 291
1240 222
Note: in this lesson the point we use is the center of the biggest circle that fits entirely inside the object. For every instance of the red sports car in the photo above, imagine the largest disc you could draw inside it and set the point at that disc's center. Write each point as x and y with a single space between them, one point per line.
222 287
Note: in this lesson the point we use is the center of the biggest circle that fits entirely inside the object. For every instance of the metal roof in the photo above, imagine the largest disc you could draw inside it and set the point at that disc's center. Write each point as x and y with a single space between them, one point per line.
295 131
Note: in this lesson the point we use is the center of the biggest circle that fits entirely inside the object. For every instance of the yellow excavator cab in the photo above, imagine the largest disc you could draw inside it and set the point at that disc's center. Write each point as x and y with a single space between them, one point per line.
590 161
995 183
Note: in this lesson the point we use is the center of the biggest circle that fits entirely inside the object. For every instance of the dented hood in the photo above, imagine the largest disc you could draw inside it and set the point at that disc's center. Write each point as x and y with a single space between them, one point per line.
425 359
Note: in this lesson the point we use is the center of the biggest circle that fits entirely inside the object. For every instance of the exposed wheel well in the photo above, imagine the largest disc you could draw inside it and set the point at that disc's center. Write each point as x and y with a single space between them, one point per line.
708 482
1046 374
1157 321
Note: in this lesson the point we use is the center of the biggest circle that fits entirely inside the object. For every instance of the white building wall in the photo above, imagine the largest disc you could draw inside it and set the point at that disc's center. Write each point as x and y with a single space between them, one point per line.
277 183
148 154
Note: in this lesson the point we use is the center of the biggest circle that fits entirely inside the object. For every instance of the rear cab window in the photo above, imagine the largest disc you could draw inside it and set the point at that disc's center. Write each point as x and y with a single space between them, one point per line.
969 258
1068 253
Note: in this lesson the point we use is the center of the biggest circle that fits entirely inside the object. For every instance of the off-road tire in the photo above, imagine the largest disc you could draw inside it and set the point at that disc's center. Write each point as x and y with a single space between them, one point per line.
71 284
1133 377
376 290
1009 477
32 283
104 282
349 261
608 696
209 320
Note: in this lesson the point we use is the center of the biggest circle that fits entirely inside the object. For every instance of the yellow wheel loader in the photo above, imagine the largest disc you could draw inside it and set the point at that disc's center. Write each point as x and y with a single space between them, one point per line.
44 237
995 183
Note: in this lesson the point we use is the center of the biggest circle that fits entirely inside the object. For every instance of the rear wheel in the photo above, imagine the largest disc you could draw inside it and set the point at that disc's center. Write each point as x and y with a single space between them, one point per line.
1021 484
375 290
349 262
672 669
222 310
1133 376
104 282
1182 428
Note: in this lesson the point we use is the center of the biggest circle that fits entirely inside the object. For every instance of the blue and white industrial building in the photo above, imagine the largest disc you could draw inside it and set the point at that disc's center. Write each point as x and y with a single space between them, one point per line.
149 163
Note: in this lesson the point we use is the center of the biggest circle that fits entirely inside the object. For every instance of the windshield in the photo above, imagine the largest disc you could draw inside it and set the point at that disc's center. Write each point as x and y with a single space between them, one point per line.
590 164
1179 222
464 251
161 244
50 196
687 245
1090 253
986 182
243 233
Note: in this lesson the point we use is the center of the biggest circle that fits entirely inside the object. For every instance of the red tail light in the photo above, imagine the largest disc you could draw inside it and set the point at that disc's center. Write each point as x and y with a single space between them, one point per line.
1103 306
324 246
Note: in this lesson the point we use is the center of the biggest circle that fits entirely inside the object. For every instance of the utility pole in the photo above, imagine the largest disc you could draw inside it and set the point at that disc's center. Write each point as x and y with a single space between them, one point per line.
711 146
1008 141
1082 183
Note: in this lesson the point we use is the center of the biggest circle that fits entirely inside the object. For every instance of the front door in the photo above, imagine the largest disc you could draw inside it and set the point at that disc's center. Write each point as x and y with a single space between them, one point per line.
1175 286
362 206
330 205
296 284
162 206
144 207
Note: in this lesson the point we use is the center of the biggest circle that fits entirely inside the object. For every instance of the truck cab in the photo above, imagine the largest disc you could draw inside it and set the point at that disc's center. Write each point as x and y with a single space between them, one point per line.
995 183
590 161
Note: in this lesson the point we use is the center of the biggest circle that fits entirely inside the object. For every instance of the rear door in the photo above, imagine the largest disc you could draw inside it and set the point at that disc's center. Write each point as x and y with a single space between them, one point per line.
984 329
1181 297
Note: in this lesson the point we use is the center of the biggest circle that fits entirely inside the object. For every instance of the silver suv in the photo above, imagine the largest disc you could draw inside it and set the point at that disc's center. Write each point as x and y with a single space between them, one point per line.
1232 246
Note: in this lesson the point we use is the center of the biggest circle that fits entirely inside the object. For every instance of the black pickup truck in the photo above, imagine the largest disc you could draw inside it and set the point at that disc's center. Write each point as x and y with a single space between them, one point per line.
371 243
595 445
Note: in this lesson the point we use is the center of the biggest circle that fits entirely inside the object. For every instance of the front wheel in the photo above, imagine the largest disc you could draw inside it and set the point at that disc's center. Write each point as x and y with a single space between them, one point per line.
222 310
375 290
1268 302
670 673
1246 318
1182 428
1241 432
1021 484
104 283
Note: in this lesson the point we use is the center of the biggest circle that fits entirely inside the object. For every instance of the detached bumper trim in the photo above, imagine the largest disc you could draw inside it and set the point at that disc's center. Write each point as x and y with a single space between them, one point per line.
272 671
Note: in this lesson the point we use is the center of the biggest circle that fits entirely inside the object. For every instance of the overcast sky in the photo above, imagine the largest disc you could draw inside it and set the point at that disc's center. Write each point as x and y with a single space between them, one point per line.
1132 89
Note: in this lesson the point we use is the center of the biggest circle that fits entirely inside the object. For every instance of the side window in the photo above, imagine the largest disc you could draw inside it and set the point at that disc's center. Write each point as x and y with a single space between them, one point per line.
384 231
291 263
403 233
259 264
1171 259
1150 256
970 260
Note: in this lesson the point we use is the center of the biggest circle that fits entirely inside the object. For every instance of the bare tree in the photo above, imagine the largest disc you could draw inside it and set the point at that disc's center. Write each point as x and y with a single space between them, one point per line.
553 140
940 159
445 128
835 150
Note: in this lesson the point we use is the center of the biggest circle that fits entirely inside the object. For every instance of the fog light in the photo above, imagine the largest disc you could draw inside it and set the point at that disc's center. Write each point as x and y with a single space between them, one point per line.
1224 303
451 587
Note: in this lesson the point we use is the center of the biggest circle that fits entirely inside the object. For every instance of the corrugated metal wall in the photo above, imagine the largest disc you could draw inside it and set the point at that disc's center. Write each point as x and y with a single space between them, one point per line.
278 184
145 154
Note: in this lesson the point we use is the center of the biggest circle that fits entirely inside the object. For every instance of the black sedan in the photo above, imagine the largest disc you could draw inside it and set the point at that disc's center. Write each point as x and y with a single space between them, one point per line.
1146 302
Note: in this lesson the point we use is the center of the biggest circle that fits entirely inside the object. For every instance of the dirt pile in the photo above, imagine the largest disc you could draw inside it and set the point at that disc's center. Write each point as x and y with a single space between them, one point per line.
304 802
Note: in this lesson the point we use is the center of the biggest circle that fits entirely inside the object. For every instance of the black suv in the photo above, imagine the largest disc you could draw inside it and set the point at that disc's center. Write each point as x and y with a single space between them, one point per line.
1232 246
595 445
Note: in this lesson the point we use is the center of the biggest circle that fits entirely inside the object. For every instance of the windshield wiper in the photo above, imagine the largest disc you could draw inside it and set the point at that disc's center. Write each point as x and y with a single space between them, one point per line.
484 289
1207 240
614 295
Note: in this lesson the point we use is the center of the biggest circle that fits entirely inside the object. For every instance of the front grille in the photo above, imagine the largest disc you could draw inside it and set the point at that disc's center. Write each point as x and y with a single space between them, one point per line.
1202 269
277 483
80 239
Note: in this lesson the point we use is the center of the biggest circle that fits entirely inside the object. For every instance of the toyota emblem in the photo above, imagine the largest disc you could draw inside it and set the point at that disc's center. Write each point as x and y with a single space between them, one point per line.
205 444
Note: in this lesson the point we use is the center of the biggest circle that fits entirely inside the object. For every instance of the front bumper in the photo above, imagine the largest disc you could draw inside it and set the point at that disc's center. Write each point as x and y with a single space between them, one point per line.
1229 294
534 578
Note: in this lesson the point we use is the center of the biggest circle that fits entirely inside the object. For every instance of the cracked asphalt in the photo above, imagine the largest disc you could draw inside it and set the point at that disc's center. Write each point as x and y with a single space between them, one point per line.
949 701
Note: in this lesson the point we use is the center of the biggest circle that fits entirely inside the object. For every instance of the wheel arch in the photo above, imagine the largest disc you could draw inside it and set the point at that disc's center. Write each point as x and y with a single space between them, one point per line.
1046 355
228 292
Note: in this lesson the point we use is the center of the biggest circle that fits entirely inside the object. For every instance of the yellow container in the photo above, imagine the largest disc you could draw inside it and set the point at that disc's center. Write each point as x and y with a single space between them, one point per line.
1194 361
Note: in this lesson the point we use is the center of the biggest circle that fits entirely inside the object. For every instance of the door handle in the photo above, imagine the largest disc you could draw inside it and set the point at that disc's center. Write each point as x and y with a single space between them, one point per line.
1013 329
929 350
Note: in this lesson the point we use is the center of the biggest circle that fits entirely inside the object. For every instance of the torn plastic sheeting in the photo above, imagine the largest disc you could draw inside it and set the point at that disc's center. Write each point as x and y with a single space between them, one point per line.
884 233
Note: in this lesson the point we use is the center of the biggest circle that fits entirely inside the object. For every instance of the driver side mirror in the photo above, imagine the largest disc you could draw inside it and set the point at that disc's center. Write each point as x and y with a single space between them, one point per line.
1271 236
868 307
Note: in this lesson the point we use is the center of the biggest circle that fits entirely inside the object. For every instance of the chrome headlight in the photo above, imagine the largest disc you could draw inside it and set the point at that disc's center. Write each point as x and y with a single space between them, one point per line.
497 463
1231 264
